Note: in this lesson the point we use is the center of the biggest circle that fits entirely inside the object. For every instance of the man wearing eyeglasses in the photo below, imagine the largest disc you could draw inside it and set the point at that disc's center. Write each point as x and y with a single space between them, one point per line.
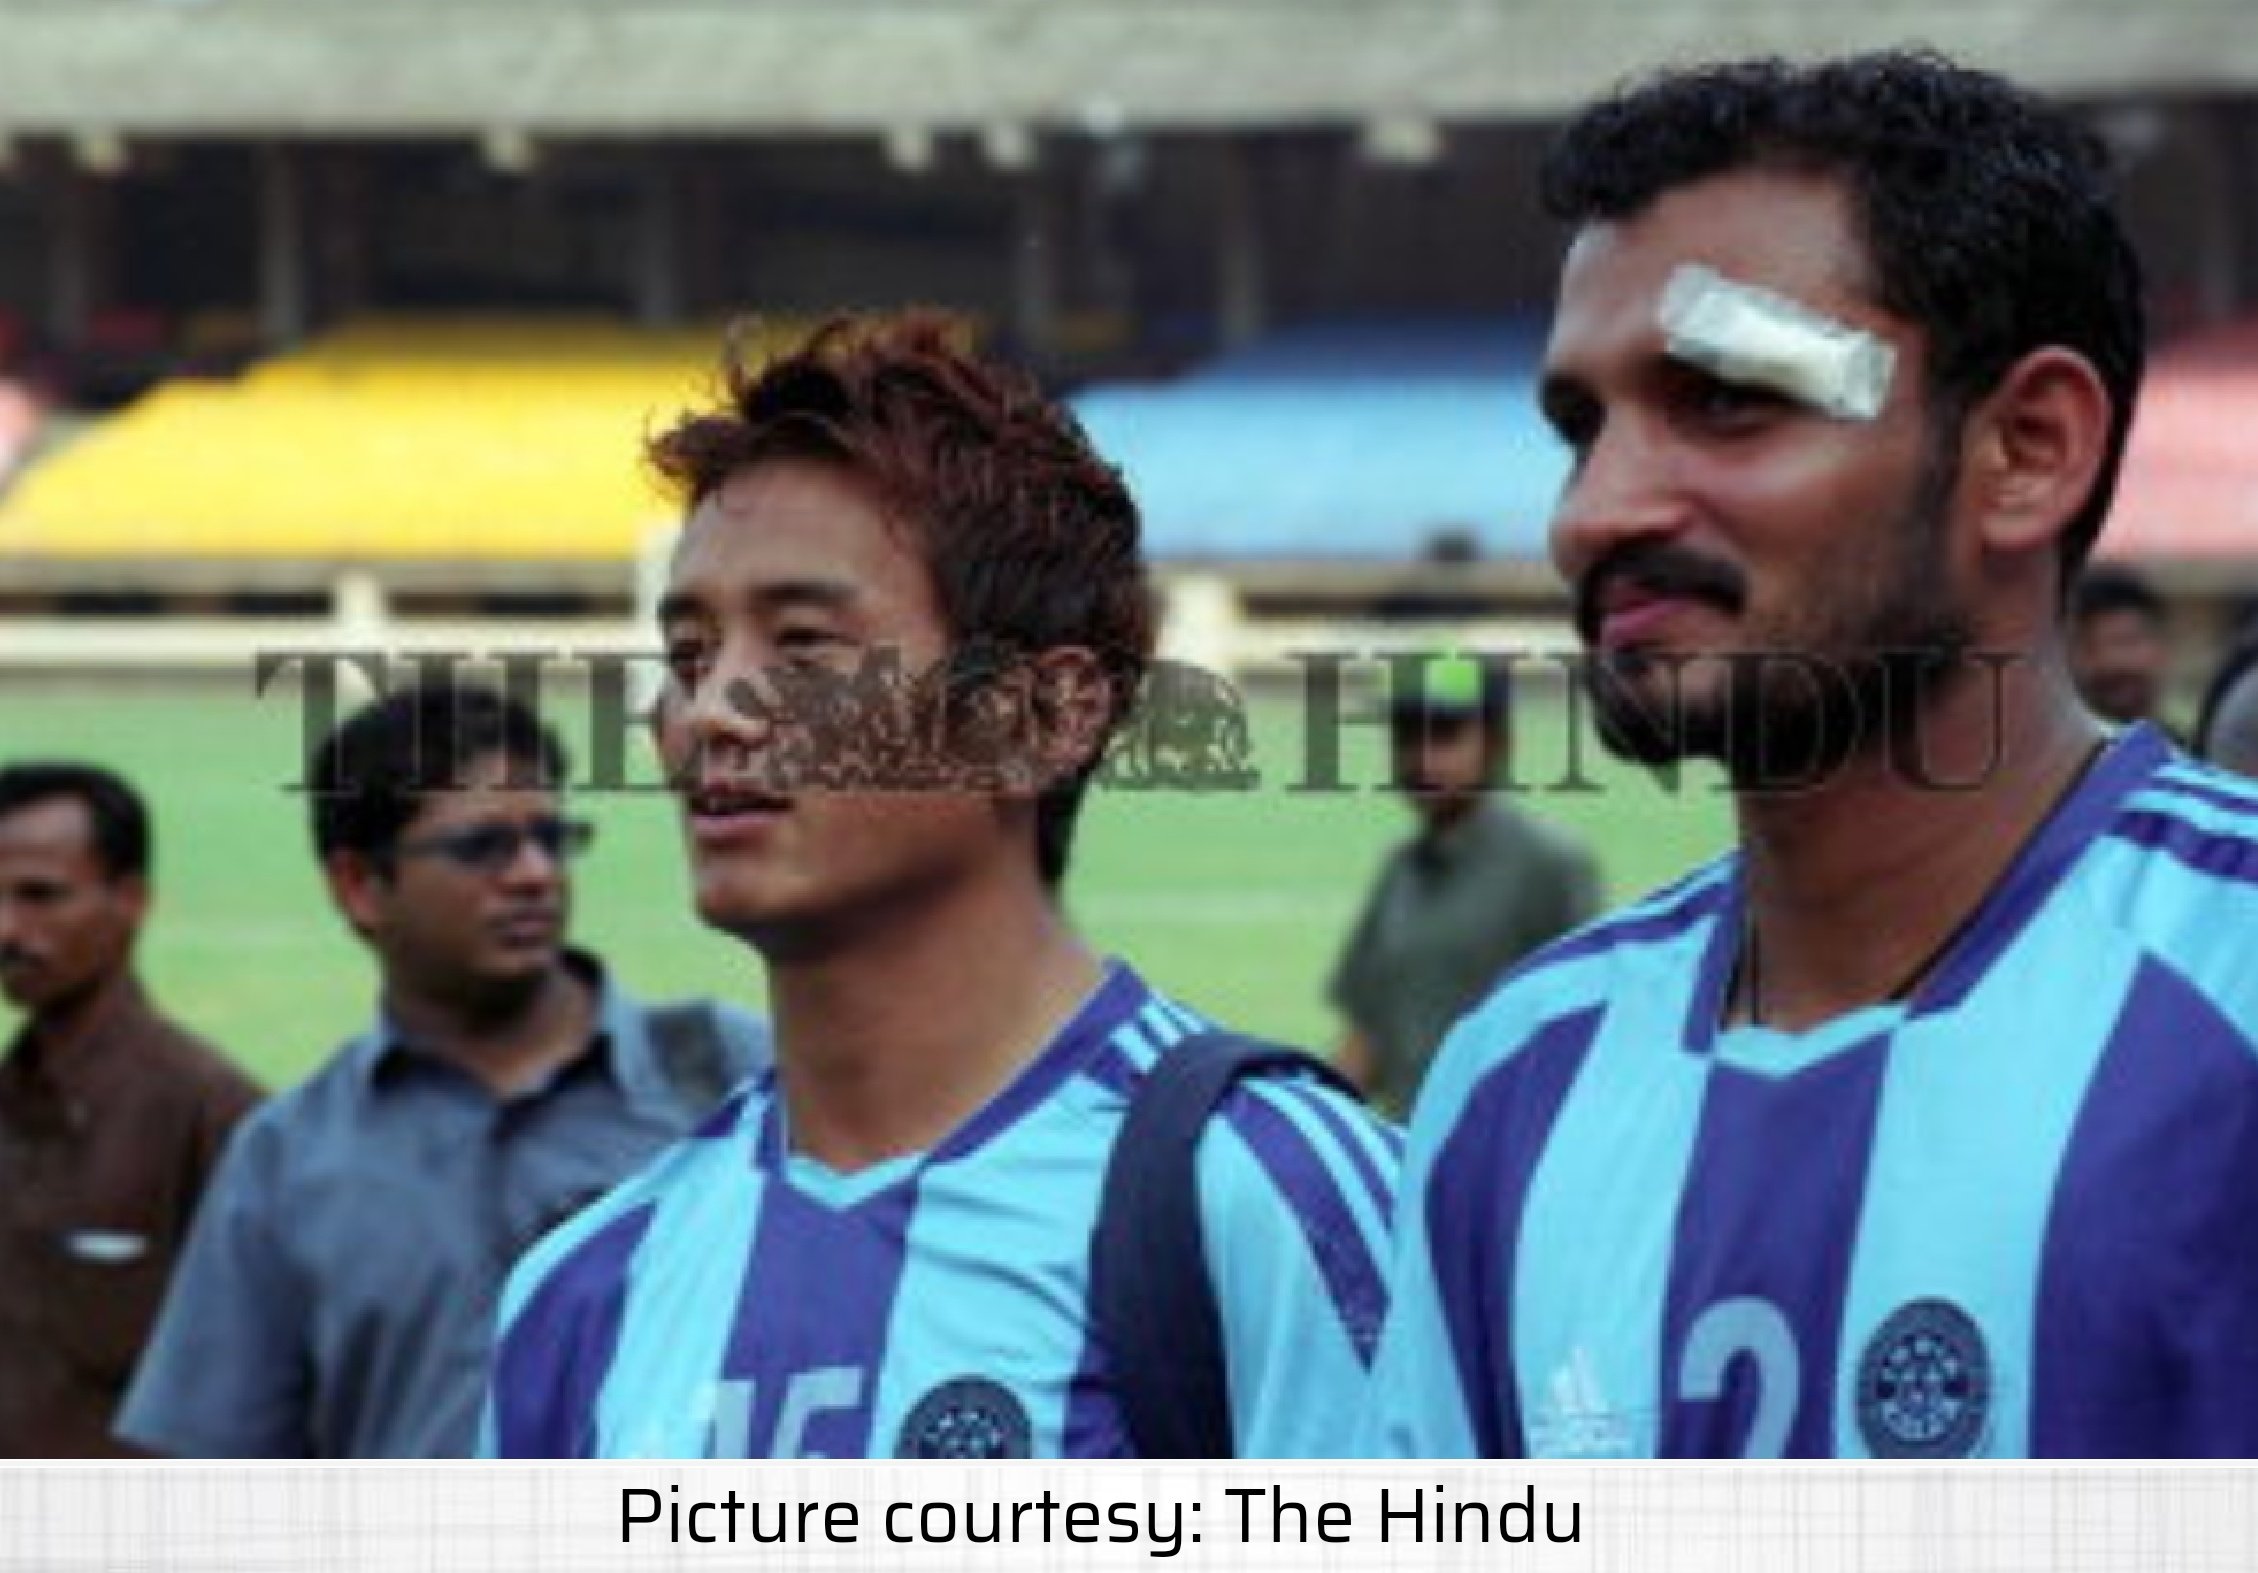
338 1288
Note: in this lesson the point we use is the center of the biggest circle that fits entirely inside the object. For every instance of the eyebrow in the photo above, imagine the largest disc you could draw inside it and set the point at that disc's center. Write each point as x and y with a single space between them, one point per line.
785 595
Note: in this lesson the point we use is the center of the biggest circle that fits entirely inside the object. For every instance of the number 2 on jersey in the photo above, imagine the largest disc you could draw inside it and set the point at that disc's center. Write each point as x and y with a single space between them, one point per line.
1746 1325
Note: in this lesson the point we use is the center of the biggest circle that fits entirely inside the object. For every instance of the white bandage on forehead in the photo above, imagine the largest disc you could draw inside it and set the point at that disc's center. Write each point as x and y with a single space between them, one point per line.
1750 335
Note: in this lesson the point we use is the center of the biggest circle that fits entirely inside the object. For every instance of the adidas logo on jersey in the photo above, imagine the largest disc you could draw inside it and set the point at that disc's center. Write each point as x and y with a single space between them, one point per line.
1574 1420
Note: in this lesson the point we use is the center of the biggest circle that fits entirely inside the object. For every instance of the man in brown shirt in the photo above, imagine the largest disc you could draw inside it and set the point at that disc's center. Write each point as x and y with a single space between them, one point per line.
110 1116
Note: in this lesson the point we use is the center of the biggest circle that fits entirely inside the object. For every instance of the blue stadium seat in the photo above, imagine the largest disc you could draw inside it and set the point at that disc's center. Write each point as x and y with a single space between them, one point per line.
1352 440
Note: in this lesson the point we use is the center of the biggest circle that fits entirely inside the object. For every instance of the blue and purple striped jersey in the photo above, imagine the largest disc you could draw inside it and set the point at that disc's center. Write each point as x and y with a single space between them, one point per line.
2016 1215
739 1300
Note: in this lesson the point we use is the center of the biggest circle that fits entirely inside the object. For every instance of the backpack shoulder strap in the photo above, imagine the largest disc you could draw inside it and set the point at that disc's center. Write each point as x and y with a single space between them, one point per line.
694 1053
1150 1294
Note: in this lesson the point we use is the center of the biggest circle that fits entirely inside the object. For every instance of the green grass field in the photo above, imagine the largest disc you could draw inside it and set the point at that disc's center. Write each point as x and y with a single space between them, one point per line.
1233 901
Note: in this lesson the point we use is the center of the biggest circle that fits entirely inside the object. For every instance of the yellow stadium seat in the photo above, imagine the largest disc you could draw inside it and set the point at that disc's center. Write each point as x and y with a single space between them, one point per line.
486 437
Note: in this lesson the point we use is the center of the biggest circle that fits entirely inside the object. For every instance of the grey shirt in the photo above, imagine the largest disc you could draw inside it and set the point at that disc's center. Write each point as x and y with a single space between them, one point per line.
1448 916
337 1295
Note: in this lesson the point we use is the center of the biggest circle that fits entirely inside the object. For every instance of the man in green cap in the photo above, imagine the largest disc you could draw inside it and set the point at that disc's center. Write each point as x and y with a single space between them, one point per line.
1476 887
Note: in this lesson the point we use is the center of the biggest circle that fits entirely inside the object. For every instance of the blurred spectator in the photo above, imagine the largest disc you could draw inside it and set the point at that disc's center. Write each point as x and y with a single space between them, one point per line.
338 1290
1478 886
2120 645
111 1117
2226 730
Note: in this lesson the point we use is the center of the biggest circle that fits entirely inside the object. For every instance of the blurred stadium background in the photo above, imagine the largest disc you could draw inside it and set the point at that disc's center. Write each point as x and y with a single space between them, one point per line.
330 325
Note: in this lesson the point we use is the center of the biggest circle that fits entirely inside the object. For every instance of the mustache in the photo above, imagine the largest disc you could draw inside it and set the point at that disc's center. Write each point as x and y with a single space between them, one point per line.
15 955
1659 570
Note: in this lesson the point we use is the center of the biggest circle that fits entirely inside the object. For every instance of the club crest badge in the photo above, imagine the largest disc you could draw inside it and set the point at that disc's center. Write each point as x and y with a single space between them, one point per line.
1925 1384
968 1417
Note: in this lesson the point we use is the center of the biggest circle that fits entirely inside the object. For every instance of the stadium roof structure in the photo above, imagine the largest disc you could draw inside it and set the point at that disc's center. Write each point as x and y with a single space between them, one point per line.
641 68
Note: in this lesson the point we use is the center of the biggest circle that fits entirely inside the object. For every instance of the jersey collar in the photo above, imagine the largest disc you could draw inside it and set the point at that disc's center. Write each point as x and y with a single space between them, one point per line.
1118 996
2038 870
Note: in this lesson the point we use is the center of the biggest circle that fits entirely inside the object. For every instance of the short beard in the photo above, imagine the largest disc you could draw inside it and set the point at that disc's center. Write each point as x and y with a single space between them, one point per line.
1780 720
1856 684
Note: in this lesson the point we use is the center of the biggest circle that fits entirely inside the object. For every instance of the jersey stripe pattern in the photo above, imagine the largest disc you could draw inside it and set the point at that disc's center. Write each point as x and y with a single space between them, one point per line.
739 1300
2009 1216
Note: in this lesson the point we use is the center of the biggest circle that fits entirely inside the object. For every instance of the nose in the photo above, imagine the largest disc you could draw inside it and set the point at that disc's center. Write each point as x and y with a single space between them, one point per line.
725 711
1626 488
532 863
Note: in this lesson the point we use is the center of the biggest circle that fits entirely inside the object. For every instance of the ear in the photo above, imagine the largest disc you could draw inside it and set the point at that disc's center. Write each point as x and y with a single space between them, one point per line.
357 884
1073 707
2034 449
133 894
